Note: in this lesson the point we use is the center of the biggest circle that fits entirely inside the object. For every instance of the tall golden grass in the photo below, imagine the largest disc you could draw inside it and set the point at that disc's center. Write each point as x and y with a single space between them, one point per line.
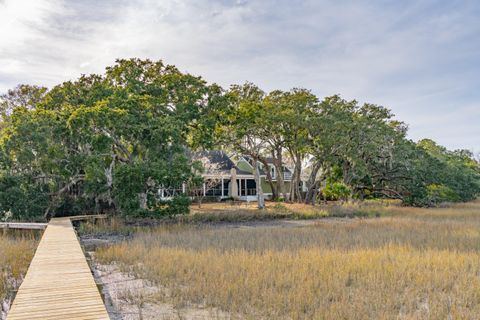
413 264
16 252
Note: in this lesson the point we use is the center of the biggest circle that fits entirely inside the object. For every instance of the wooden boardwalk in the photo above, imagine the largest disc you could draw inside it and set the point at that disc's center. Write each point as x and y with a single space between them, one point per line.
59 283
21 225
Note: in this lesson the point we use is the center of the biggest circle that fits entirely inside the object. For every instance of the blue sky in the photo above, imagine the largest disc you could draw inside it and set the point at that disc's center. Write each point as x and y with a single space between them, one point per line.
419 58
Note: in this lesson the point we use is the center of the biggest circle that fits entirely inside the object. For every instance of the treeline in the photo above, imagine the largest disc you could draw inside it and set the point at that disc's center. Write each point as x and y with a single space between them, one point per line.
109 142
343 149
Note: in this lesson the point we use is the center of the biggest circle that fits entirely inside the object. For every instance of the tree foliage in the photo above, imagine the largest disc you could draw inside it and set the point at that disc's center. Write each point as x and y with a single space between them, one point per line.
361 147
111 141
104 141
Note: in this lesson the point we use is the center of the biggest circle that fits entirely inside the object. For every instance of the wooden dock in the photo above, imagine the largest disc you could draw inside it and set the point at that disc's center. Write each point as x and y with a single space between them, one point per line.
22 225
58 284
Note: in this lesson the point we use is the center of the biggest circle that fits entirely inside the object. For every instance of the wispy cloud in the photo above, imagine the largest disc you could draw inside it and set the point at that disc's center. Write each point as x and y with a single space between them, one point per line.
420 58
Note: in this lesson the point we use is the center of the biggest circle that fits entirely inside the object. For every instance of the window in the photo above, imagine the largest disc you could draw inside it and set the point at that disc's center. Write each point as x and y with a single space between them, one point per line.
272 171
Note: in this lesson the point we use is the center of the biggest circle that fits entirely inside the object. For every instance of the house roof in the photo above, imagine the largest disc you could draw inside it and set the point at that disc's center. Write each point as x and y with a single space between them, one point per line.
222 161
269 161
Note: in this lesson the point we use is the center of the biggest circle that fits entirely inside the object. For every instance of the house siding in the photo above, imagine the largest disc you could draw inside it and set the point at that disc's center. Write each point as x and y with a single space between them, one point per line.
266 186
242 165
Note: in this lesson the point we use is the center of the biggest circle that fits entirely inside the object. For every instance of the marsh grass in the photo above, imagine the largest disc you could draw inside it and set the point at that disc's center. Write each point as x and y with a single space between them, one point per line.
227 213
409 264
16 252
106 227
215 212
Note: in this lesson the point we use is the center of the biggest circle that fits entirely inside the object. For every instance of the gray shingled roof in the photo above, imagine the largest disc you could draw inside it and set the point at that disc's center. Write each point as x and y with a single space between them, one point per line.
221 159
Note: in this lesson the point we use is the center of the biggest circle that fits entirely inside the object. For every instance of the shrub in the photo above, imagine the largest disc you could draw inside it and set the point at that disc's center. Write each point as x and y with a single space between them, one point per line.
178 205
337 191
437 193
21 199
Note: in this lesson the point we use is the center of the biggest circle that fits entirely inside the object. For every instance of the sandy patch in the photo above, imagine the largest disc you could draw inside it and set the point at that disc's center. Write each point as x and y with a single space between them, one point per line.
128 298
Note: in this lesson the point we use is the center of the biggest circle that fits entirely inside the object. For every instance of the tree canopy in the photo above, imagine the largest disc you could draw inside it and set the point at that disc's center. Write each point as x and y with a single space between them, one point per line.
333 142
111 141
102 142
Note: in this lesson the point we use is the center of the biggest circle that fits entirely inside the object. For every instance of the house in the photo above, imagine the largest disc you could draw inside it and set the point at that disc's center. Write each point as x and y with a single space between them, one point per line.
221 169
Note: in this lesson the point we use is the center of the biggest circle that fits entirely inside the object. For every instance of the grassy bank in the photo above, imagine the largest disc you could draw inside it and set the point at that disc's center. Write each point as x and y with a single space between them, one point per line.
212 213
411 264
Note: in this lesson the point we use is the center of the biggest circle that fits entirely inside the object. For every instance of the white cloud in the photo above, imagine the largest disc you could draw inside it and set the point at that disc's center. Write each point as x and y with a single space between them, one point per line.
419 58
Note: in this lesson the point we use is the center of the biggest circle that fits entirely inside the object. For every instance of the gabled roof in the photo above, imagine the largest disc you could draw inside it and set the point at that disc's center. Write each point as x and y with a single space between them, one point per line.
222 161
269 161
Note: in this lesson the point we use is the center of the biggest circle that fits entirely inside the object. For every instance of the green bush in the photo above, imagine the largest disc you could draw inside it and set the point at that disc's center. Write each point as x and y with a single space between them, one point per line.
178 205
437 193
337 191
21 199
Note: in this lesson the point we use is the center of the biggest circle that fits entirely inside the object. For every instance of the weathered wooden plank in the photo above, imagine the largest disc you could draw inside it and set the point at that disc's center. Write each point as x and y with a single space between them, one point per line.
89 216
58 283
23 225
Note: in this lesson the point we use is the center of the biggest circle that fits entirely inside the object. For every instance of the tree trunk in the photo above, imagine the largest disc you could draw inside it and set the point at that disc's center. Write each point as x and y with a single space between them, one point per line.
295 194
299 178
258 182
324 195
278 163
293 182
314 193
109 177
142 199
346 171
55 198
269 178
311 183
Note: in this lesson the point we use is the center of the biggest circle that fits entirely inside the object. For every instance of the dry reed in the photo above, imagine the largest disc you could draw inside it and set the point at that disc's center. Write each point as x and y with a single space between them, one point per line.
413 264
16 252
